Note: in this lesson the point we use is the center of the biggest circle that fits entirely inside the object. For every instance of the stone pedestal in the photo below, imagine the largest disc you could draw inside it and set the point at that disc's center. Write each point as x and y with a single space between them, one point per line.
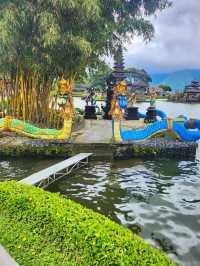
151 115
132 113
90 112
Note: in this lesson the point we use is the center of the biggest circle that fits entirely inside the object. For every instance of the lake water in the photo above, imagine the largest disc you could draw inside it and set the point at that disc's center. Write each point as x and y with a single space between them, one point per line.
170 108
157 199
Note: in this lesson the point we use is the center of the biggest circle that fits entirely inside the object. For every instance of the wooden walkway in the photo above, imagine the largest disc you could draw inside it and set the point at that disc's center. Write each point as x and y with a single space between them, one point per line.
53 173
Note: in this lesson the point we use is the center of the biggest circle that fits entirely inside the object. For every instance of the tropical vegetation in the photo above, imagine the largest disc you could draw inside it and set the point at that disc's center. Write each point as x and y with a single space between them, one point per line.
42 228
165 87
40 40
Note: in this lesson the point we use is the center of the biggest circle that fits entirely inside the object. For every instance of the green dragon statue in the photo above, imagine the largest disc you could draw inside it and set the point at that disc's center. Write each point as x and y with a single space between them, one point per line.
65 102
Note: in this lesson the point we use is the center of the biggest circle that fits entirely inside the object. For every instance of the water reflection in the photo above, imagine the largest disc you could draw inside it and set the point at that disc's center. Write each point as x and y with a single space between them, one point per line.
157 199
21 168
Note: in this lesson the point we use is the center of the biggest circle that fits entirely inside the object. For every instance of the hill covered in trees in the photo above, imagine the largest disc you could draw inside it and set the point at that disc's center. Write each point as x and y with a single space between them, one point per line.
176 80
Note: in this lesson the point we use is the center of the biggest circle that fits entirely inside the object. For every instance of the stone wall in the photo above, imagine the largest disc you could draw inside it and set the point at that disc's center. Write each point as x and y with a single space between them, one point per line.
152 148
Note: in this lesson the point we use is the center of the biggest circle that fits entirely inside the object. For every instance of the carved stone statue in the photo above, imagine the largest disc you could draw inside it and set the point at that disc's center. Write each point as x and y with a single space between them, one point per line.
91 105
65 99
151 111
132 99
152 96
121 88
119 96
90 99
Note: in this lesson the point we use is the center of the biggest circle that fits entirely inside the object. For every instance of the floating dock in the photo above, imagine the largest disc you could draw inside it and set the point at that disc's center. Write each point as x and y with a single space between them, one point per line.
53 173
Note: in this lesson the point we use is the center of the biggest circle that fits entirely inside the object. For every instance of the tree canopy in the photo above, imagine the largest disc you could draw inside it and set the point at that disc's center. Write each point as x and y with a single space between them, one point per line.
140 74
48 36
41 39
165 87
97 78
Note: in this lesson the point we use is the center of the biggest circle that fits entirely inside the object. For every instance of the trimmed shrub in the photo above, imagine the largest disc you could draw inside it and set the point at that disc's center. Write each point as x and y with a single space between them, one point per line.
42 228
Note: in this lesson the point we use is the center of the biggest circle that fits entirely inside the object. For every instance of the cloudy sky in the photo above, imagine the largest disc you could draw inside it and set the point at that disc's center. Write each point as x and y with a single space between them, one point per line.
176 44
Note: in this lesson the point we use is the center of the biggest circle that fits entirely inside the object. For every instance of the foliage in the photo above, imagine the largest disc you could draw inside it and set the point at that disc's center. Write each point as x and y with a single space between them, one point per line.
140 74
165 87
3 105
41 228
67 36
79 111
97 77
40 40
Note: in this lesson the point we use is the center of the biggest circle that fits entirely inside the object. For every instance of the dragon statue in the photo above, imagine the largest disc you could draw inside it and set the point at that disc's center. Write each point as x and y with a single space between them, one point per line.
187 130
118 106
65 103
119 97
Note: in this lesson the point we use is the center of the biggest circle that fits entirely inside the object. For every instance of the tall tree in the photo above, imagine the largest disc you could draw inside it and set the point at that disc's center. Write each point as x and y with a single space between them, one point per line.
140 74
97 77
68 35
41 38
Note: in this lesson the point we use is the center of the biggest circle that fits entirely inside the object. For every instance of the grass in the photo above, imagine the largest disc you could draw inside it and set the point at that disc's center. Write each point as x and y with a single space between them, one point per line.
42 228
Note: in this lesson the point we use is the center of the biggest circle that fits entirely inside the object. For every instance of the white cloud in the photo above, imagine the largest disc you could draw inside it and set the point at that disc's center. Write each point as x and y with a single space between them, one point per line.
176 44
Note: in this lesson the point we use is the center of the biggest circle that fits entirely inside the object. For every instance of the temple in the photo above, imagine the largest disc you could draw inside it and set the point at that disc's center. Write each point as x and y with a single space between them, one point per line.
138 80
192 92
128 124
115 77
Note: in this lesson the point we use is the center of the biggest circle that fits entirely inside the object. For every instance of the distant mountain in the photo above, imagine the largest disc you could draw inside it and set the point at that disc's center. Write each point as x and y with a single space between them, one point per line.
176 80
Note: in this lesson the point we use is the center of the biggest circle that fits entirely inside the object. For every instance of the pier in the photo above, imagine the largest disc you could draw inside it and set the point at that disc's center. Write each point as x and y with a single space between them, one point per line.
53 173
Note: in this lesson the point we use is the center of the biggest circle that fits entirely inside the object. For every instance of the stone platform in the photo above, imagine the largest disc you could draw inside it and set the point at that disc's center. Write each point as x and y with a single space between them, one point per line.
100 131
152 148
95 136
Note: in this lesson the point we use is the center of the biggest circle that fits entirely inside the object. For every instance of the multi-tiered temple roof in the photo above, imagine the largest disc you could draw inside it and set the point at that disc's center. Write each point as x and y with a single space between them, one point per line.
194 87
118 70
192 92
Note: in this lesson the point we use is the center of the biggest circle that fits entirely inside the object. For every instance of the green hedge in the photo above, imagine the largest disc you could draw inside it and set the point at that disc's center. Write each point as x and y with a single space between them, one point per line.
42 228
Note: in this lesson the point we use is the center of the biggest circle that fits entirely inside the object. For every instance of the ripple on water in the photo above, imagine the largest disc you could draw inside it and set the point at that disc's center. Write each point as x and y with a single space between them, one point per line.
159 200
21 168
8 171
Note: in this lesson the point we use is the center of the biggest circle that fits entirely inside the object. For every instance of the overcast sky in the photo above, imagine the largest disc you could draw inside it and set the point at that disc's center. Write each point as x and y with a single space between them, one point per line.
176 44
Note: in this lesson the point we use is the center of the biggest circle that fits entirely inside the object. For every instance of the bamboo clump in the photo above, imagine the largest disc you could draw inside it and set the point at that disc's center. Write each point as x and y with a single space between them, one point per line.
28 98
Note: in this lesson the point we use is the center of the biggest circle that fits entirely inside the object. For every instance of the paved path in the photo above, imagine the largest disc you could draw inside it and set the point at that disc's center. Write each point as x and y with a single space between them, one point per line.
100 131
94 131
